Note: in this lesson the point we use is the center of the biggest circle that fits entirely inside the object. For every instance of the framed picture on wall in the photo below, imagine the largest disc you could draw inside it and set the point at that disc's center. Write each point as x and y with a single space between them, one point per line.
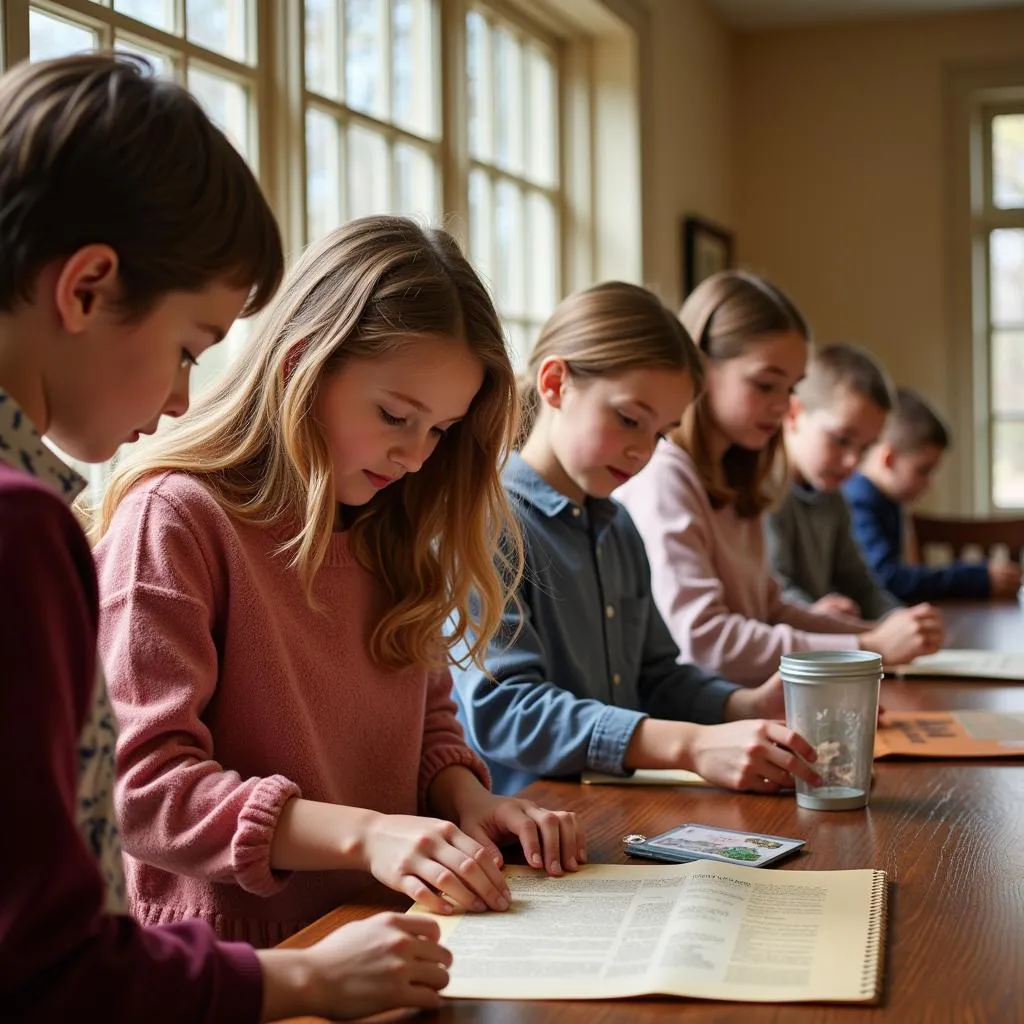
707 249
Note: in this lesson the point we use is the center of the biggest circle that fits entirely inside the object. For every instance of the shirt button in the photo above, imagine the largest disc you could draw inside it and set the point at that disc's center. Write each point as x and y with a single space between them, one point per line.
609 612
616 679
576 513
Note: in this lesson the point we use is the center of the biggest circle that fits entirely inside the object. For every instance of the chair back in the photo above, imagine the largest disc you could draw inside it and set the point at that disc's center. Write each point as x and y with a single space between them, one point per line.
991 537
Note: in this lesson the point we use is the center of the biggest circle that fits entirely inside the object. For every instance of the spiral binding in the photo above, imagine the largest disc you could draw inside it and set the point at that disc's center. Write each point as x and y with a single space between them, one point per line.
874 958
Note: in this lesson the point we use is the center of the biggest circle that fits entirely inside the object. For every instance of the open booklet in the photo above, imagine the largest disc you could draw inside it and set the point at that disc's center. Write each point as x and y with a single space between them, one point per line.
962 664
950 734
702 930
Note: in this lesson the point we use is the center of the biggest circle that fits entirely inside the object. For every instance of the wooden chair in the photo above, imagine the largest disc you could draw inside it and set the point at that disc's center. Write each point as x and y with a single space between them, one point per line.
990 536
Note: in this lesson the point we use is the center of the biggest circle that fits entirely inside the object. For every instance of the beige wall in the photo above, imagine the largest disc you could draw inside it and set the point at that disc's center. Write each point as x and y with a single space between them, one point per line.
687 84
840 174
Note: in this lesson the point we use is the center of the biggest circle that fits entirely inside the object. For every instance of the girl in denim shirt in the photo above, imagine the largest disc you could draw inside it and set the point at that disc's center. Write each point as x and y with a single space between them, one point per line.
583 673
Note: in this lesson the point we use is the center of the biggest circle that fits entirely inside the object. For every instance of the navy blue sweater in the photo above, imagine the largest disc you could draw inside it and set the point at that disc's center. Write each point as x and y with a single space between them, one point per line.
878 527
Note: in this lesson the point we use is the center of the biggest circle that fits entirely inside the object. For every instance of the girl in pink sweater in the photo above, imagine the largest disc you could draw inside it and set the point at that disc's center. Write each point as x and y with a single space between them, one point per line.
699 502
275 574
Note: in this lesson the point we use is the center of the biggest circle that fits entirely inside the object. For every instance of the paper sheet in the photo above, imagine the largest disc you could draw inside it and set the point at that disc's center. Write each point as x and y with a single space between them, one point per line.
705 930
646 777
967 664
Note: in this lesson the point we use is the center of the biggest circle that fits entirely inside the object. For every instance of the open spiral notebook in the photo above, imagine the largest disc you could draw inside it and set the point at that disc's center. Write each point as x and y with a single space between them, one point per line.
703 930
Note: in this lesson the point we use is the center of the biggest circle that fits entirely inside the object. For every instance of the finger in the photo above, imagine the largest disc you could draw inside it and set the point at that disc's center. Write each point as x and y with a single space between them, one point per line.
568 828
418 997
754 783
485 873
431 975
460 878
529 838
417 925
780 759
430 952
479 835
553 852
786 737
418 891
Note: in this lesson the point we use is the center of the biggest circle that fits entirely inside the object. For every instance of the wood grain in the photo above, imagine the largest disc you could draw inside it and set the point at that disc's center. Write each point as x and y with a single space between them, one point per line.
950 835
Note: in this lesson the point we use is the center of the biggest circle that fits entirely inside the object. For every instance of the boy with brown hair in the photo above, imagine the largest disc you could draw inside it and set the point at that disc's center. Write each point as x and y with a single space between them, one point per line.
837 414
131 236
896 473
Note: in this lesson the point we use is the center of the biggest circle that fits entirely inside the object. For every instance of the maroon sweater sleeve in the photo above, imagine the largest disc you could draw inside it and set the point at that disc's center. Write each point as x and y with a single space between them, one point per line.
61 956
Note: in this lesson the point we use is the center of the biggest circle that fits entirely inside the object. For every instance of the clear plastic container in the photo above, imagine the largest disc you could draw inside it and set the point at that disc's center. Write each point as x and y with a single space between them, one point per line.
832 701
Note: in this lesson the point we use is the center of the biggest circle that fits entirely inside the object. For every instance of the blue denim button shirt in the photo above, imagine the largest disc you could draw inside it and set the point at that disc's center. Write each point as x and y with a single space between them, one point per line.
585 656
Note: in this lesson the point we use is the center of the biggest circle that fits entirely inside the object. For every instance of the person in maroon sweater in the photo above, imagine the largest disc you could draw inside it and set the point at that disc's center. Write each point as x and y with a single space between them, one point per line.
131 236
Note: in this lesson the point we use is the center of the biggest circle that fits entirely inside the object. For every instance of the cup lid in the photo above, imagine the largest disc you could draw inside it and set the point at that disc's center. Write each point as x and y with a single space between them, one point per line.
824 666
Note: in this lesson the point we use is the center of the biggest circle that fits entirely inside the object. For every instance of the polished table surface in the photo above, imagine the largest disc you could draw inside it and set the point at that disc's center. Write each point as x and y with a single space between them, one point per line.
950 835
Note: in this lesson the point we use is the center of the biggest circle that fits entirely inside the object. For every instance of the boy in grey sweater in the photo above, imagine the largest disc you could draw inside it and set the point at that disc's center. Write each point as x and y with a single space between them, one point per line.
839 411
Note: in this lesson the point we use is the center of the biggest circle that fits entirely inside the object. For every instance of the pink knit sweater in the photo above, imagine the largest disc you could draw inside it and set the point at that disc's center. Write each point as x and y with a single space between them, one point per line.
234 696
711 579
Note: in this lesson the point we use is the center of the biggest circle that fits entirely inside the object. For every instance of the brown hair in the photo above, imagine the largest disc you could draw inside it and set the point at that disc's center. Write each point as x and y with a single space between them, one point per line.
724 314
94 149
609 328
913 424
364 291
845 366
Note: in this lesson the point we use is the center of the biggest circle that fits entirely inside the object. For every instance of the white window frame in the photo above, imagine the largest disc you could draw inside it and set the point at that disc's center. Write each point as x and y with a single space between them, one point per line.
974 96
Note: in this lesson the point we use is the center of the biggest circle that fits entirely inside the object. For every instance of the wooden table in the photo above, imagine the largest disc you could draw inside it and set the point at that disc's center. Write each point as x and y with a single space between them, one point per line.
950 835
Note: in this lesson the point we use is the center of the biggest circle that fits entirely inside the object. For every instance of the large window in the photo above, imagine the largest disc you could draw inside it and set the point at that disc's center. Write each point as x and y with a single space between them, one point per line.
1000 246
514 195
450 111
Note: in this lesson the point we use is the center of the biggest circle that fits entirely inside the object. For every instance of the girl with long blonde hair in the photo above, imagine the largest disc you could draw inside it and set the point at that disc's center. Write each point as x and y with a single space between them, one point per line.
700 502
275 573
583 673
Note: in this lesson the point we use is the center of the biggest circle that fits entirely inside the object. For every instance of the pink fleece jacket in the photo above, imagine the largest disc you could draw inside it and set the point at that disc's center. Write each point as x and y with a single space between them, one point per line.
711 579
234 696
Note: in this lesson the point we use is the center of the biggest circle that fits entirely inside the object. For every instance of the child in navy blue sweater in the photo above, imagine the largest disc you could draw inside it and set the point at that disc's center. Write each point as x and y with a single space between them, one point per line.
896 472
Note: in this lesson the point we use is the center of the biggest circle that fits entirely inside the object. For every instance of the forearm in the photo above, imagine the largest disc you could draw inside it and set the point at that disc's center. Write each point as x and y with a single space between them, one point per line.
288 983
316 836
657 743
450 789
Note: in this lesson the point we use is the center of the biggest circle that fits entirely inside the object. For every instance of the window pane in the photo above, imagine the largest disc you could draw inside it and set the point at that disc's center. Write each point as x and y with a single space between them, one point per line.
519 343
158 13
412 35
510 256
323 48
415 186
366 66
478 68
368 187
1006 251
508 106
542 103
481 216
227 103
50 37
323 174
220 25
1008 464
542 279
1007 372
214 361
162 66
1008 160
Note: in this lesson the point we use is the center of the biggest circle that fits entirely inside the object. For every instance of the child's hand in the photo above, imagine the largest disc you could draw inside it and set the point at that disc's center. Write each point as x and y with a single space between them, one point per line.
905 634
427 858
1003 579
383 963
837 604
550 839
753 755
764 701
